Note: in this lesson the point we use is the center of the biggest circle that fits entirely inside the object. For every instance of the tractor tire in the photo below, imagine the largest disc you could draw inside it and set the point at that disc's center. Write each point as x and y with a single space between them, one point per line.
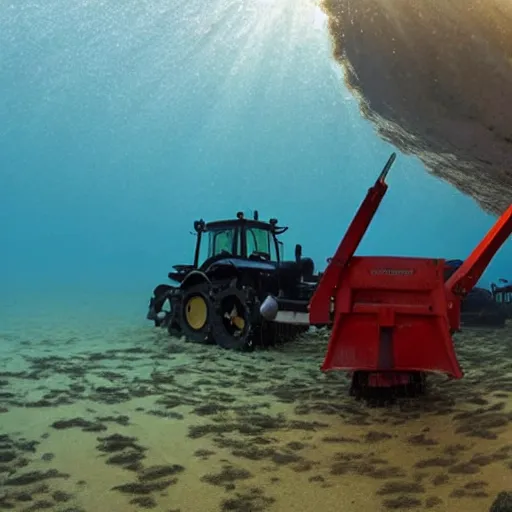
156 303
231 325
195 313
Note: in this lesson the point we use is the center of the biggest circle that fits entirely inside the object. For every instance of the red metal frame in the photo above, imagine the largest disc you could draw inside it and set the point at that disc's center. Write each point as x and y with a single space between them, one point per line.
393 315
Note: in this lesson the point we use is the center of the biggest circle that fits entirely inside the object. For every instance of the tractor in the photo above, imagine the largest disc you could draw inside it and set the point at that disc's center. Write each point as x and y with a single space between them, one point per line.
479 308
502 296
217 299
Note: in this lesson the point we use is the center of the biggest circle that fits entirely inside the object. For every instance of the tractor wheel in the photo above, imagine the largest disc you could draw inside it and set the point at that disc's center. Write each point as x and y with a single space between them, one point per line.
231 323
173 322
157 313
196 312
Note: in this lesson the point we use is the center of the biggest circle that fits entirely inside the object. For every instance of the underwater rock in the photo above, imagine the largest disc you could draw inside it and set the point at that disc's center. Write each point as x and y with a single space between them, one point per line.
436 80
503 503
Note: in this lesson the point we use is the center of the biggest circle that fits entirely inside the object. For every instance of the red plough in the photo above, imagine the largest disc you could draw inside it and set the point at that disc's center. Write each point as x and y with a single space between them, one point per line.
393 317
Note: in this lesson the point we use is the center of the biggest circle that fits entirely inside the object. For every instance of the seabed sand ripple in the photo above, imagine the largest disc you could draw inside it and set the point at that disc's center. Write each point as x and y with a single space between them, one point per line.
143 421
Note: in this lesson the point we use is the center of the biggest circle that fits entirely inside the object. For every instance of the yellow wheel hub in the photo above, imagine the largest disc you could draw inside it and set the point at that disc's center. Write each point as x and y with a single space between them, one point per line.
238 322
196 312
235 319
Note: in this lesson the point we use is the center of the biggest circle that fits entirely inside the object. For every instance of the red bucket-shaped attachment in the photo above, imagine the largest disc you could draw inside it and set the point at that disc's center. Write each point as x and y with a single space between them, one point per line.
391 314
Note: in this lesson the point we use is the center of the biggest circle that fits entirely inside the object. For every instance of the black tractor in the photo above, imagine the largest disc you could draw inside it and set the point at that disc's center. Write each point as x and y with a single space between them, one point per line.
479 308
502 295
235 282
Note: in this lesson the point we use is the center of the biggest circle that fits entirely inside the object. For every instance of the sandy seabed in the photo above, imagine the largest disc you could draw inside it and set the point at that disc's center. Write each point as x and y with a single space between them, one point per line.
130 419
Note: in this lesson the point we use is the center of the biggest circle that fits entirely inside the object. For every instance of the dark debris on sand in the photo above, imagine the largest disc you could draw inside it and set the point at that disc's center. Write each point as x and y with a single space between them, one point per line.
253 500
231 396
20 484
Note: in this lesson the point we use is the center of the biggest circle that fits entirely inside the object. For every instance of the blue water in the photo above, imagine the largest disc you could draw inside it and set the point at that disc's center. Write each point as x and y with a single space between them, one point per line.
123 122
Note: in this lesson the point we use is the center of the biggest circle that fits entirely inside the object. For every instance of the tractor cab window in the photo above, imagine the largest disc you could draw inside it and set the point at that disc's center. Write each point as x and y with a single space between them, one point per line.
260 241
216 241
221 240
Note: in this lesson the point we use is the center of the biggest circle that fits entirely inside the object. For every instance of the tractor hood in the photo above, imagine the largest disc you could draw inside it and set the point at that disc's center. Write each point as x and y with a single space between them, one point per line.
244 264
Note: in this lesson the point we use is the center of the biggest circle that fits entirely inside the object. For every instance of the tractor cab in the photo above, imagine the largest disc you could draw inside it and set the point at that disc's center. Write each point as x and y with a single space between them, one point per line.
240 238
252 246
